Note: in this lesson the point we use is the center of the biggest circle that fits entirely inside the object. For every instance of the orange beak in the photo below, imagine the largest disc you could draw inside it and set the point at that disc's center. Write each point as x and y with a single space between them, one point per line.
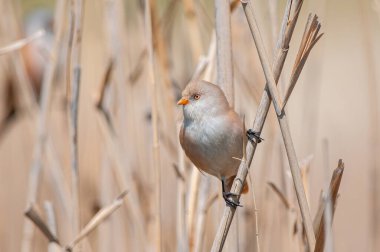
183 101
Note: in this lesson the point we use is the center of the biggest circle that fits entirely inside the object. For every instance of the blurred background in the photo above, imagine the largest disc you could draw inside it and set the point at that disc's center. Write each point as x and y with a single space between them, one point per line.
333 114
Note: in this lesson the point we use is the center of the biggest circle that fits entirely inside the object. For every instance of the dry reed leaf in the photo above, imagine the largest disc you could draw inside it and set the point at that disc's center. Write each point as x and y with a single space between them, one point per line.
319 224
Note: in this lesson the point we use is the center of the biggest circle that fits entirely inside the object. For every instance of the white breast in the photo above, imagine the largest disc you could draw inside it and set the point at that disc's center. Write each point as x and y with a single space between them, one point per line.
212 146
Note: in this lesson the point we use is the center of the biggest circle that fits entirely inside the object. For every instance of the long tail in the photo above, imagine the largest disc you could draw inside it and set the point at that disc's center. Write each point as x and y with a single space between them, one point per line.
230 182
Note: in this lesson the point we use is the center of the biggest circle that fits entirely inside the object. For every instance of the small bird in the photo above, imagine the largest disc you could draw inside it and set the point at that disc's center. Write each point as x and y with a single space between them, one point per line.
212 133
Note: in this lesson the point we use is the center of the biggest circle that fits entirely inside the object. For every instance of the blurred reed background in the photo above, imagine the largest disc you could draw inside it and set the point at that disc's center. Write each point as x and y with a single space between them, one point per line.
88 112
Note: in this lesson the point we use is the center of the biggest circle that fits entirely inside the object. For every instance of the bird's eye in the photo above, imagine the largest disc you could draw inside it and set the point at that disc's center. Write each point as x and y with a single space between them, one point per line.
197 96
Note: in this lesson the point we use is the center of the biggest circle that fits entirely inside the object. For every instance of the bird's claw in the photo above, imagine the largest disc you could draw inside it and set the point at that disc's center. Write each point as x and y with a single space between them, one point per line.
229 201
254 136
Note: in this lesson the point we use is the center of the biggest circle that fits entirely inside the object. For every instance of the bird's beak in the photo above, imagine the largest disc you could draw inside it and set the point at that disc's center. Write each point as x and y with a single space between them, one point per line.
183 101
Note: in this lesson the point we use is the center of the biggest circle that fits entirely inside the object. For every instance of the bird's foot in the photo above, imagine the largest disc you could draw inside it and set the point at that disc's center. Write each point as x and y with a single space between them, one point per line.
253 136
229 201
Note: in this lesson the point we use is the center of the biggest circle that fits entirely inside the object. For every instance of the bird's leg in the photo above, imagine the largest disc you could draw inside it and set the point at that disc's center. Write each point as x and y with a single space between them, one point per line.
254 136
226 195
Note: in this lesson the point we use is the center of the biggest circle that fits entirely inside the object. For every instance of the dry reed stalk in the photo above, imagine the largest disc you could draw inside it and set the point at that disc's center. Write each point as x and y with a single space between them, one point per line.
288 24
319 223
280 195
42 132
118 146
291 210
33 214
95 221
181 226
17 45
305 171
29 102
327 217
156 146
193 202
58 181
117 49
132 205
199 195
104 235
119 135
103 85
373 106
17 66
136 72
256 211
211 54
271 82
224 48
113 149
281 115
185 227
205 202
159 46
194 31
195 174
76 10
200 69
52 225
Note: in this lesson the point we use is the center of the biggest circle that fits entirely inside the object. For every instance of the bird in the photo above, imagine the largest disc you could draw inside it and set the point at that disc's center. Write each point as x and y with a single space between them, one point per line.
212 134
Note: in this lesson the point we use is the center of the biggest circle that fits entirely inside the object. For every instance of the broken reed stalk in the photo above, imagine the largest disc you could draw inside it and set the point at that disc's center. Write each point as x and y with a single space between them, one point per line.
224 49
75 79
154 106
287 28
319 223
281 115
309 39
36 218
98 218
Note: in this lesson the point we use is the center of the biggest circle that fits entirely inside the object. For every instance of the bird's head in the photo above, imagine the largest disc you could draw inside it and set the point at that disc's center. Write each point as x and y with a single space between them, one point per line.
201 98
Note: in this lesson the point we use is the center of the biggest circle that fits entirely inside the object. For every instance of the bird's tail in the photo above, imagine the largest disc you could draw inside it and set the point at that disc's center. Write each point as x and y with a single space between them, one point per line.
230 182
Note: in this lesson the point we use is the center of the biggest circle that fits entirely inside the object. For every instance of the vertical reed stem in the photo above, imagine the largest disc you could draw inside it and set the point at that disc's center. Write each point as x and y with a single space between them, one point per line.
223 48
75 78
156 146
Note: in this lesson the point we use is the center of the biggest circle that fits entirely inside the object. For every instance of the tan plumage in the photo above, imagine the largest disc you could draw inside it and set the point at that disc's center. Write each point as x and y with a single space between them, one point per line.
212 133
